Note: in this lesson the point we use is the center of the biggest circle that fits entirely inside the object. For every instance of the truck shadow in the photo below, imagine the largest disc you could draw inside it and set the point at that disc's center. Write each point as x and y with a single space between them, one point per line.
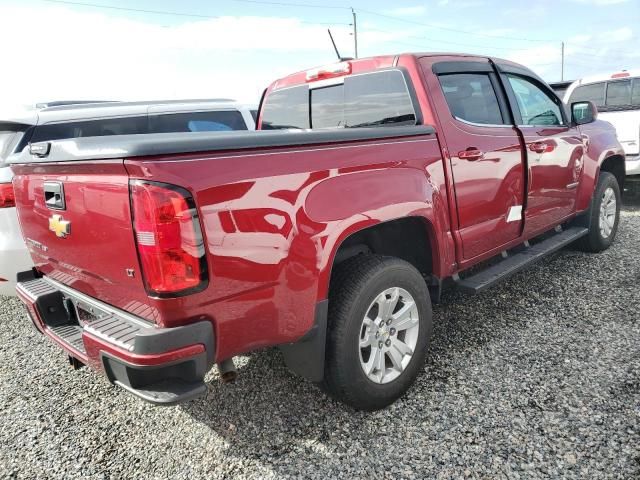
269 412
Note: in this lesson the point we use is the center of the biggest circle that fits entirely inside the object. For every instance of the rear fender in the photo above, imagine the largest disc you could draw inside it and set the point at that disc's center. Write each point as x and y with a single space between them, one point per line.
392 194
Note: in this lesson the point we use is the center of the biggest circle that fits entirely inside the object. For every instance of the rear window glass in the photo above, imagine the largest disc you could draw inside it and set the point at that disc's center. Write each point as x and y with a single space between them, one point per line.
286 108
327 107
220 121
90 128
635 92
367 100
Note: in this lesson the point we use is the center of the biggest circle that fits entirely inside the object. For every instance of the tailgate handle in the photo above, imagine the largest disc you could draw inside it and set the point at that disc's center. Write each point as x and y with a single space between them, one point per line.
54 195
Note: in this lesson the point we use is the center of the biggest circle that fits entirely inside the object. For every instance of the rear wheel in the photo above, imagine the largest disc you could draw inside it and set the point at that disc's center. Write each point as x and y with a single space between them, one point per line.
605 215
380 322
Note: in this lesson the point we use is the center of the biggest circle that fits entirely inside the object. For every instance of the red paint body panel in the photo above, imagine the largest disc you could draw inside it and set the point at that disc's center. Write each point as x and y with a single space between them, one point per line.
274 218
273 221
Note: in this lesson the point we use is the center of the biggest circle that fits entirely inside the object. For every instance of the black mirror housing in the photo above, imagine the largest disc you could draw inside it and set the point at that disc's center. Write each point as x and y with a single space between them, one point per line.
583 112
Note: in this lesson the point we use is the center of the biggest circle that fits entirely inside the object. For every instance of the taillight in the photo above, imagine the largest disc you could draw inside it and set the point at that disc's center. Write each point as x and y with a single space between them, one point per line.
169 238
7 196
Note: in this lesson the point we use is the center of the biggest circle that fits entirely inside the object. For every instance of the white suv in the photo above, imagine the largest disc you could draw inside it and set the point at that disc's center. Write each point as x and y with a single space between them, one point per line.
617 97
58 120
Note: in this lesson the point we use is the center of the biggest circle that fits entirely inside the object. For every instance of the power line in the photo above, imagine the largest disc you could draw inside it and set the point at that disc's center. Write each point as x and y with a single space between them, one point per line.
438 27
178 14
442 41
336 7
292 4
127 9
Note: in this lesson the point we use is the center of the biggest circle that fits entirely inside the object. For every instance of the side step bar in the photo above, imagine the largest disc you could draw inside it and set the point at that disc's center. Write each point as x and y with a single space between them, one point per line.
514 263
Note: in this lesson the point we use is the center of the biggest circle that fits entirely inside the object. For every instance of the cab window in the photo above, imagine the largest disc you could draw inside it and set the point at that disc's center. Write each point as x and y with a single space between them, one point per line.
536 106
472 98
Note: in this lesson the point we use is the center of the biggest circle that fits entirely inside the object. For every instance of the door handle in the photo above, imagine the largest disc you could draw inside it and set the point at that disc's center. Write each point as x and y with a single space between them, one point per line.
541 147
471 154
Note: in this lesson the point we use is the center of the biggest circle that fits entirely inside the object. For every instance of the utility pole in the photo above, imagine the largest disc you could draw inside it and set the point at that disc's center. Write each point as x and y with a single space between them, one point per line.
355 33
562 65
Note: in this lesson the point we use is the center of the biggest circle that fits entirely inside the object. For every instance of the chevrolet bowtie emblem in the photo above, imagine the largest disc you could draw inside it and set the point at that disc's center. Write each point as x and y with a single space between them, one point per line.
60 227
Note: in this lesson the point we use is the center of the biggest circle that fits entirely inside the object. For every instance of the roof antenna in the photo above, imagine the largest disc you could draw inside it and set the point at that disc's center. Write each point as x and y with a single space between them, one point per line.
336 48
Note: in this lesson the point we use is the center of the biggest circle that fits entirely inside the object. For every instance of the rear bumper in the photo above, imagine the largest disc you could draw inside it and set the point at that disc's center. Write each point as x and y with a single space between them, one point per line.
160 365
632 165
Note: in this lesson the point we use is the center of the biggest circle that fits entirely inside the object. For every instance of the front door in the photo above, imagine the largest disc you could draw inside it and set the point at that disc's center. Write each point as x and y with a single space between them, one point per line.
554 152
486 154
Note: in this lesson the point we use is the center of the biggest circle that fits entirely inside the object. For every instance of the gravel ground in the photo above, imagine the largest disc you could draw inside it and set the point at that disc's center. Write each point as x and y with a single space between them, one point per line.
538 378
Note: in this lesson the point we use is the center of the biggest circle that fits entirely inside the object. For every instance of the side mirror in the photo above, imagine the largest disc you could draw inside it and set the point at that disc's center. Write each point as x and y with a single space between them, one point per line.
583 112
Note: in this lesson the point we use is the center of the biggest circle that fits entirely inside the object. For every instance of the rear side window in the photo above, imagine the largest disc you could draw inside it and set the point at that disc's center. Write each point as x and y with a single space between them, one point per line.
535 105
635 92
618 93
219 121
613 95
90 128
471 97
367 100
591 93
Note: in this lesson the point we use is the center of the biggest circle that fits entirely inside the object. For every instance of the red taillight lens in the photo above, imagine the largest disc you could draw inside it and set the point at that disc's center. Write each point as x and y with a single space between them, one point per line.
169 238
7 196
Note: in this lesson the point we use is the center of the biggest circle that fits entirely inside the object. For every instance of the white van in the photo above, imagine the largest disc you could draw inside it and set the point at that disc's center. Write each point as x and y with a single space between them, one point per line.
617 97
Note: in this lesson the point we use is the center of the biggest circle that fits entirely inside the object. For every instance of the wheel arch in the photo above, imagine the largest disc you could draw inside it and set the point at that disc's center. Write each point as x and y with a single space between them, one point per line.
614 164
411 238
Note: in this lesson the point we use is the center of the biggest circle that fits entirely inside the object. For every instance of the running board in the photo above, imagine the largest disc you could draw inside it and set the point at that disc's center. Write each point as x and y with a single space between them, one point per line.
518 261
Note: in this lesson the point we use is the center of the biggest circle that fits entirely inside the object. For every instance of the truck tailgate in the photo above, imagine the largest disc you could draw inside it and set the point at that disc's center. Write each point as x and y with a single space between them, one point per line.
86 240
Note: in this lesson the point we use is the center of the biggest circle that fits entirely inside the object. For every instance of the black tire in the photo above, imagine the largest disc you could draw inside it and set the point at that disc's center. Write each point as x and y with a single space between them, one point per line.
355 285
595 241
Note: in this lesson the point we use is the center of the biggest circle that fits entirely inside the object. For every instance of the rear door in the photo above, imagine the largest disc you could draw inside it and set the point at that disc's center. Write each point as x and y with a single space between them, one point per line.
485 153
553 147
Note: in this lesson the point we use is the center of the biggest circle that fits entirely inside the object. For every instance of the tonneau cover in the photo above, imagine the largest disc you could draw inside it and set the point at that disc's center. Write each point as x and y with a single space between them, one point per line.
127 146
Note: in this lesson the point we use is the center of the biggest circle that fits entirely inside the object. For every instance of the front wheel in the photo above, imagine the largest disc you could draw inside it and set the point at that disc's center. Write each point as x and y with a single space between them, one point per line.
380 321
605 215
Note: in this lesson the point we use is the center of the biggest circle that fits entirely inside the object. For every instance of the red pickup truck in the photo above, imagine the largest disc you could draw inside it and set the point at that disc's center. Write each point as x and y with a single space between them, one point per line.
374 184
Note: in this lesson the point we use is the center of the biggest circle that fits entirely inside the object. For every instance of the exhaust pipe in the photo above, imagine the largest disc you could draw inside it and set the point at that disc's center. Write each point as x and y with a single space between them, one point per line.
228 372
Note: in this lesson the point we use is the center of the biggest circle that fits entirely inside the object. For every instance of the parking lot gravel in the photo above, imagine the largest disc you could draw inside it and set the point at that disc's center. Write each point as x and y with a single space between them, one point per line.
537 378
